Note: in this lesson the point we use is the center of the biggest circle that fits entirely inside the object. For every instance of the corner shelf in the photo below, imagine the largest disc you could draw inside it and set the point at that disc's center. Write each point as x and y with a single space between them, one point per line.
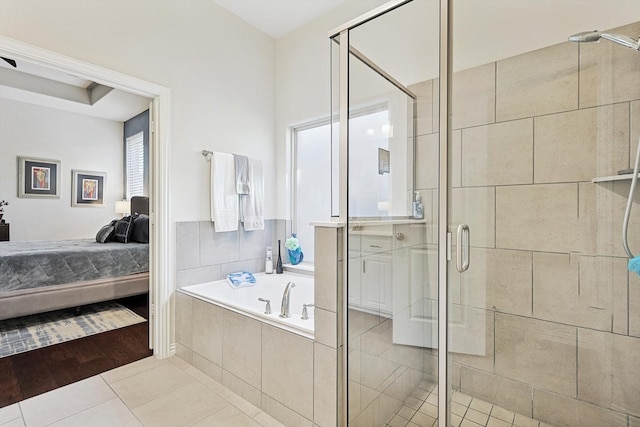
625 177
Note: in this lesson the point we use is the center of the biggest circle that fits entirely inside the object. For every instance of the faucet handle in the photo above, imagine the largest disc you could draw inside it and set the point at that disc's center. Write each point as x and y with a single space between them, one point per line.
267 308
305 314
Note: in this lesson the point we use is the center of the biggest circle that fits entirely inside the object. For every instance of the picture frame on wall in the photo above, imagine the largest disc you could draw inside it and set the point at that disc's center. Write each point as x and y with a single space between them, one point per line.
38 178
87 188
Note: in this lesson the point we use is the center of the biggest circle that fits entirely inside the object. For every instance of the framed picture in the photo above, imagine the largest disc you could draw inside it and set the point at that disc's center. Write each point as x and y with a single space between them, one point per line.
87 188
38 178
384 161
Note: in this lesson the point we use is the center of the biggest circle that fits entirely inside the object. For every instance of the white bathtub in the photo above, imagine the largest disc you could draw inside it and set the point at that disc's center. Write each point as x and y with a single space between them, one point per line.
268 286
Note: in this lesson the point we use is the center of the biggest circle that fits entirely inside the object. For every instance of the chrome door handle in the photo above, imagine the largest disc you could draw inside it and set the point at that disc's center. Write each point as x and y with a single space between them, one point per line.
462 248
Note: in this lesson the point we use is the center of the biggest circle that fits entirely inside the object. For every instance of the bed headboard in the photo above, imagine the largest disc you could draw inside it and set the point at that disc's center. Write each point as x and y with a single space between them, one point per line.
140 204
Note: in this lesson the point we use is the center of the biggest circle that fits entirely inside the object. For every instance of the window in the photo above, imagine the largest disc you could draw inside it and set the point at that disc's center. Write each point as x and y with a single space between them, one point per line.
311 181
135 180
369 173
313 174
134 165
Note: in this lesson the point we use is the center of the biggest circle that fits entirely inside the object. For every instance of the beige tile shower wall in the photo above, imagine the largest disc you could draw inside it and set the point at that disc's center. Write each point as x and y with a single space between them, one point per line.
608 74
547 263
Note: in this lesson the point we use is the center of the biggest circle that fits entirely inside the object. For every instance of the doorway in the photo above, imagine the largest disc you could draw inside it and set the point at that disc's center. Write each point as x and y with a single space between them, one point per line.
162 238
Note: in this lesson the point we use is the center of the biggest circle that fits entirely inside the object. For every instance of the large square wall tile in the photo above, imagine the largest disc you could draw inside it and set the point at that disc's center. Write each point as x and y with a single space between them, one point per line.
581 145
241 349
536 352
284 353
526 89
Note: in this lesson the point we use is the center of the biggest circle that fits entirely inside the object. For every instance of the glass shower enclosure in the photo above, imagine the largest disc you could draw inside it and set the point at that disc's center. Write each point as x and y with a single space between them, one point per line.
505 300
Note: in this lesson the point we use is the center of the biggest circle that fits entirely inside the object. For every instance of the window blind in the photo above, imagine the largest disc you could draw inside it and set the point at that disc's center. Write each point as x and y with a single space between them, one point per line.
134 165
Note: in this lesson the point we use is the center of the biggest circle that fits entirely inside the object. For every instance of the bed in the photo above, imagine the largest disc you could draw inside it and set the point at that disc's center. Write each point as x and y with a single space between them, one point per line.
36 277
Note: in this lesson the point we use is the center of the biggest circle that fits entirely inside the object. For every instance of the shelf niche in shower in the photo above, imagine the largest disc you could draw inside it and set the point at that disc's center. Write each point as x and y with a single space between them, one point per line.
624 177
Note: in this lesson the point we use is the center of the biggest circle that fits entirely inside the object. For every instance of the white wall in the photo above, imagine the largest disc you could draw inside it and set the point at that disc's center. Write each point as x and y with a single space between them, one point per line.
220 71
79 142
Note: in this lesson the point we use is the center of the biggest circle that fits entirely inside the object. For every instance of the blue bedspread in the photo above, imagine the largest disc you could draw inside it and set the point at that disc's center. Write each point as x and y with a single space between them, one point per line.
25 265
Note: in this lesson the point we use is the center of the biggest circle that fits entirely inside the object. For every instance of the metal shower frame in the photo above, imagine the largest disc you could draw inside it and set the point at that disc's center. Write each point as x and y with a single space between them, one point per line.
445 74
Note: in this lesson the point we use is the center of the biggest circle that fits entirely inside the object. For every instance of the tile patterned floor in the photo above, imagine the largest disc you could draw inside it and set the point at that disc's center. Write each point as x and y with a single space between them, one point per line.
420 410
149 393
171 392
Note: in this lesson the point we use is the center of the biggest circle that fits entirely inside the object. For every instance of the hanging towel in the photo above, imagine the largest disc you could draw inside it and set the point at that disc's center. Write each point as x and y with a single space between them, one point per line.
242 174
240 279
253 203
224 199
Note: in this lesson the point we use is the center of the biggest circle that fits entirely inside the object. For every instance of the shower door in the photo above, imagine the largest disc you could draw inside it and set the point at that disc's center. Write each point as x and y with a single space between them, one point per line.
389 117
509 302
540 128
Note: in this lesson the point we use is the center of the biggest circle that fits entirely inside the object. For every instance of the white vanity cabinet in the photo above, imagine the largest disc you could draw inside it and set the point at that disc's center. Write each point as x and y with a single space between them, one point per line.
375 249
375 278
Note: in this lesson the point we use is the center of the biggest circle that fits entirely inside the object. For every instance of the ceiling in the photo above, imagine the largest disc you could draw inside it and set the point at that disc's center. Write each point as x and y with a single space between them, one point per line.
55 89
47 87
279 17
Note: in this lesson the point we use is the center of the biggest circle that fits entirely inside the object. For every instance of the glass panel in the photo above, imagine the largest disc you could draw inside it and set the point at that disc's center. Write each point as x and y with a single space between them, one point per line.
392 250
544 325
312 182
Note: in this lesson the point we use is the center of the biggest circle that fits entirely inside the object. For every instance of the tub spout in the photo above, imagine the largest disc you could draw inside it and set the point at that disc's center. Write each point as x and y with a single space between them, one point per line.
284 310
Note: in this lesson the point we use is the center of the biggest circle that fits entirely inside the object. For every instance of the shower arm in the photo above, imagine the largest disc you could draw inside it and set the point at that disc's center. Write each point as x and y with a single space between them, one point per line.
622 40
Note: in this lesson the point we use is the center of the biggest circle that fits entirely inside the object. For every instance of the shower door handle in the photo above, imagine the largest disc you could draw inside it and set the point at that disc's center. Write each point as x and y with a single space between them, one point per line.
462 248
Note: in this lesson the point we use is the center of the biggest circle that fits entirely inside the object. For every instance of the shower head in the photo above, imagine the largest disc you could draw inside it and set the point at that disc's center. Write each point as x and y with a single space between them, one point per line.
594 36
586 37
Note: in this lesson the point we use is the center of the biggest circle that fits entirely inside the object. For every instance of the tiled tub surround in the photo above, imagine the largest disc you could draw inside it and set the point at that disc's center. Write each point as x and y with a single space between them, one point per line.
271 287
291 377
548 271
202 255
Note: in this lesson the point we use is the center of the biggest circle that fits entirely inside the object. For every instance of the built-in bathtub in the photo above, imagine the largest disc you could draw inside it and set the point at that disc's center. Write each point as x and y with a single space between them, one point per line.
268 286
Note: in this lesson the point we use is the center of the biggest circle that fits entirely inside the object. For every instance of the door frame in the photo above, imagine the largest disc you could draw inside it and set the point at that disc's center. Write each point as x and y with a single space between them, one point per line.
162 236
444 207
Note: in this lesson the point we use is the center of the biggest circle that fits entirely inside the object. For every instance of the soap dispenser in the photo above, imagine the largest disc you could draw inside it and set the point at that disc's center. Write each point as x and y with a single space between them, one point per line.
268 263
418 208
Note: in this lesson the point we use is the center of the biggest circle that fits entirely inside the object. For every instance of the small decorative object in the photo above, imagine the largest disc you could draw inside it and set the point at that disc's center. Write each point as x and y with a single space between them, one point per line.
384 161
87 188
38 178
279 269
295 251
3 203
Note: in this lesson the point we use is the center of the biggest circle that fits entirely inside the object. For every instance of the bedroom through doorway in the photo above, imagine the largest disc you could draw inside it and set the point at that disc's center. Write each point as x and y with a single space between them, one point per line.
130 342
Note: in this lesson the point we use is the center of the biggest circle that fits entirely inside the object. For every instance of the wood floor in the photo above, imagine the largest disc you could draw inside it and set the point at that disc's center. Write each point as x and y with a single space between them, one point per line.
34 372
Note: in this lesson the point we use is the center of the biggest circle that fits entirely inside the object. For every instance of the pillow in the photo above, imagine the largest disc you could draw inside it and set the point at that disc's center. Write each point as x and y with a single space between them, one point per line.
123 229
140 231
105 234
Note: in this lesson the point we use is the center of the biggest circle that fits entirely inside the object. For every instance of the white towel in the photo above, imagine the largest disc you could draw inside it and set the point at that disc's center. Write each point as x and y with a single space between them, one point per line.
253 203
242 174
224 199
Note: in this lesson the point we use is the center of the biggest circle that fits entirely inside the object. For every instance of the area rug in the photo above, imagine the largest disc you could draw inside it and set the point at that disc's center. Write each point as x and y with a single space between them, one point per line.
40 330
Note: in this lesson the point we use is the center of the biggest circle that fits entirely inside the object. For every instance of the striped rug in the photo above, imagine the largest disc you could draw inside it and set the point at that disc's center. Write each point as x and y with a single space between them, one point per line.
40 330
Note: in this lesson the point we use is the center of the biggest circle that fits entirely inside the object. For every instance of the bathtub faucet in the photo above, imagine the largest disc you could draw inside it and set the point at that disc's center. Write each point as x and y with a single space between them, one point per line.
284 310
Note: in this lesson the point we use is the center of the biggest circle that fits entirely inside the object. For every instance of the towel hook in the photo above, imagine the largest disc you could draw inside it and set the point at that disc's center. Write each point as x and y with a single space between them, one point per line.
206 153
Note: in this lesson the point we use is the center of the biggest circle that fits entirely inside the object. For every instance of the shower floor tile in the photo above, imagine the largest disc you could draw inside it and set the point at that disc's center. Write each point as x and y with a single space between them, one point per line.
466 411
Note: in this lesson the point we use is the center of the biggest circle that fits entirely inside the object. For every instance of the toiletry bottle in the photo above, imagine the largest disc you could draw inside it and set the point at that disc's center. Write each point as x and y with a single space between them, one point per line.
268 263
279 262
418 208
